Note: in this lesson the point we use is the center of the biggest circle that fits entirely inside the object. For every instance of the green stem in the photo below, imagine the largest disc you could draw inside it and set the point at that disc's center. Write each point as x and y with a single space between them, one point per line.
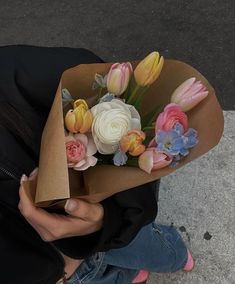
127 92
71 102
140 97
99 95
132 96
148 128
147 140
149 118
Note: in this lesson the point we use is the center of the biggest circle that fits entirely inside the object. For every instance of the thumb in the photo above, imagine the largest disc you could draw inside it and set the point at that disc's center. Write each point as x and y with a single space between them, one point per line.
84 210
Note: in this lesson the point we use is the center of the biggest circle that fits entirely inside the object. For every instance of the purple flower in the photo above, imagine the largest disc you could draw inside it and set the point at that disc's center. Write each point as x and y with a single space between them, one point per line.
176 142
119 158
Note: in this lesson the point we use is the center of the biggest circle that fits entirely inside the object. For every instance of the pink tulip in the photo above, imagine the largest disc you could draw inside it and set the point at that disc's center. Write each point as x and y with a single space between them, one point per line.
189 94
167 119
80 150
152 160
152 143
118 78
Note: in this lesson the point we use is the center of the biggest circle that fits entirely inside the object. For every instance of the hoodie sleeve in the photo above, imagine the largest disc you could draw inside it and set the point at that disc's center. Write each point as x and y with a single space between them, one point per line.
28 82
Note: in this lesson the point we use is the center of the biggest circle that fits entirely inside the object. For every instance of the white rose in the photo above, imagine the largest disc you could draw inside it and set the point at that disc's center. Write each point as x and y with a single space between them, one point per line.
112 120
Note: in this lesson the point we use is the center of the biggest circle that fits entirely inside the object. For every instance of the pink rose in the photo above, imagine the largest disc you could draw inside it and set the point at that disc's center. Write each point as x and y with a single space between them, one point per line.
152 160
75 151
171 114
80 150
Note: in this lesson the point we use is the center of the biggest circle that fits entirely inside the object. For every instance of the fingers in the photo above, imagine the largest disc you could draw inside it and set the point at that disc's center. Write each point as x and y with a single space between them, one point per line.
84 210
43 222
84 218
33 174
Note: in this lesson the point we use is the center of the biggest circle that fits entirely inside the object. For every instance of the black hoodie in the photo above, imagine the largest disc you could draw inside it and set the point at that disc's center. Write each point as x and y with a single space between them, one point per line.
29 77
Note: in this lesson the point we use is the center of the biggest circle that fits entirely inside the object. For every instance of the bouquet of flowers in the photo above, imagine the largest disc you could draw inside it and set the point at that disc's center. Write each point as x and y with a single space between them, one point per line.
112 131
116 126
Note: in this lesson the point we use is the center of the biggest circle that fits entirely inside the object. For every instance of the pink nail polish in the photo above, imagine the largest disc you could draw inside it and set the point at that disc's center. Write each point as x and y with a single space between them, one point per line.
23 178
34 172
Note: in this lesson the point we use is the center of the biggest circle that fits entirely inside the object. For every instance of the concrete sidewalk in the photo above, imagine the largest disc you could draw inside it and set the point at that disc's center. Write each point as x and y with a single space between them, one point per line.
200 197
199 200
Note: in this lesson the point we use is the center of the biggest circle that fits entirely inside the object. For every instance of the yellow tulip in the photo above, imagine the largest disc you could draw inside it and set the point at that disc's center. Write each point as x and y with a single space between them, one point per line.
80 118
148 70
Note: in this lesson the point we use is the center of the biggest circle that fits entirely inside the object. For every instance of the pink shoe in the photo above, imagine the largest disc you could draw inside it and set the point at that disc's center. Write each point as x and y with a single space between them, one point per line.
141 277
190 263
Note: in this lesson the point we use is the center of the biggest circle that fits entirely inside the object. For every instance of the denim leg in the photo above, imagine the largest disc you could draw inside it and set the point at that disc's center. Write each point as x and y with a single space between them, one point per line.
88 269
95 271
110 274
156 248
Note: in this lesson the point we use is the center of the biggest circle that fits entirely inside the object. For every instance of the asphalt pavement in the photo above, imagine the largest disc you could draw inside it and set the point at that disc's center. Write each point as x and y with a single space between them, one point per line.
198 199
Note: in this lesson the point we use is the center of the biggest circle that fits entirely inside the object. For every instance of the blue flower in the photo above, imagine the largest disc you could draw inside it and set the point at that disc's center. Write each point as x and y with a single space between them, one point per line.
169 142
190 138
120 158
175 161
66 97
176 142
179 128
107 98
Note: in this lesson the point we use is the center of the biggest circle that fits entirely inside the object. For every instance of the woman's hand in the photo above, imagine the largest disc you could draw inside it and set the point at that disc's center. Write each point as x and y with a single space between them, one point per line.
84 218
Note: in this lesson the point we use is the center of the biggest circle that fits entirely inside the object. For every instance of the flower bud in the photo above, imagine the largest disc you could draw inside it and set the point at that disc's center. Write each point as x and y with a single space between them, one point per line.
189 94
80 118
148 70
132 142
118 78
152 160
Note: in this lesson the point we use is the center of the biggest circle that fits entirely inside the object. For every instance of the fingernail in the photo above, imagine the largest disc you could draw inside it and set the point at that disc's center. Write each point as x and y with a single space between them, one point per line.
34 172
23 178
70 205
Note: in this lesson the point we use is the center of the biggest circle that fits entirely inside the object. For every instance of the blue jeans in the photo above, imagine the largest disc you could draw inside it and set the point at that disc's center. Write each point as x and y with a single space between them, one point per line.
156 248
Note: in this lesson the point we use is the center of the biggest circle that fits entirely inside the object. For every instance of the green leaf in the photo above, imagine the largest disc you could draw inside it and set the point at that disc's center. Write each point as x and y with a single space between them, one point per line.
147 140
94 86
100 80
132 96
129 89
149 118
140 97
132 162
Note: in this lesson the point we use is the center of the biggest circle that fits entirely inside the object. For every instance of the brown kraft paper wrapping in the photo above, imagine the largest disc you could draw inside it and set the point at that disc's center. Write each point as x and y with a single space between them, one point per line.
56 183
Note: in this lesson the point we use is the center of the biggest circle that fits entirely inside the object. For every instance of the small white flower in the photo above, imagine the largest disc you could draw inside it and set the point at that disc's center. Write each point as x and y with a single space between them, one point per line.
112 120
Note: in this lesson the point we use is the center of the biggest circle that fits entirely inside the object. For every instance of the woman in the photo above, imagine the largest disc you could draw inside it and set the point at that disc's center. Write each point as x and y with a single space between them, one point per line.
37 246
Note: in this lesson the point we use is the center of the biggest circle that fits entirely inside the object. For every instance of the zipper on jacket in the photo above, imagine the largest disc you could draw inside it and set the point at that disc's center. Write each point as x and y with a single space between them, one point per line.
9 173
14 176
53 247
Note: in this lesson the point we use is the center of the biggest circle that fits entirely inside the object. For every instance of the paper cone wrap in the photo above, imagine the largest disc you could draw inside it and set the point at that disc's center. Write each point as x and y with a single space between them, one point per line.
56 183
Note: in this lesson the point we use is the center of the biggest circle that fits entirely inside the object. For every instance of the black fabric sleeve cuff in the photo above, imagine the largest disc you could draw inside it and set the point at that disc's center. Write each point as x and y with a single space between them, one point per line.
82 246
125 213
